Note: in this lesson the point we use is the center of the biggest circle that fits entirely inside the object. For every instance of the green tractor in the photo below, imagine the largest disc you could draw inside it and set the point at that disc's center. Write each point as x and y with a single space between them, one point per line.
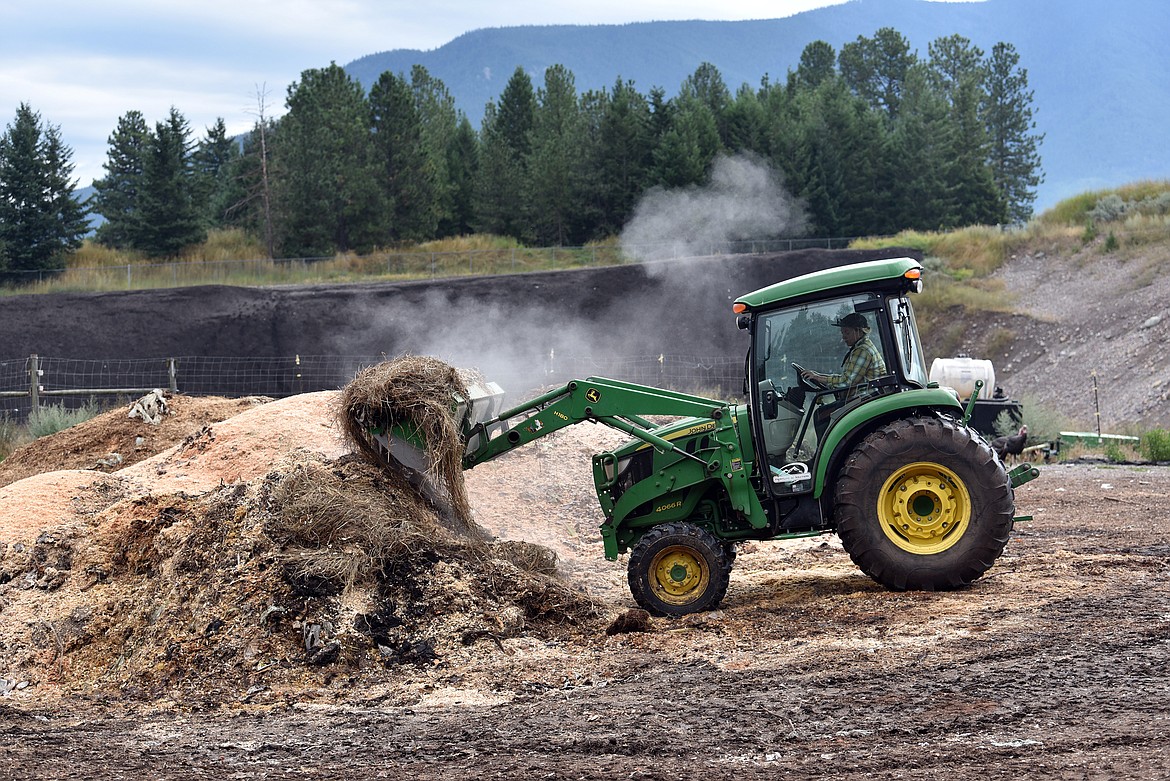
863 447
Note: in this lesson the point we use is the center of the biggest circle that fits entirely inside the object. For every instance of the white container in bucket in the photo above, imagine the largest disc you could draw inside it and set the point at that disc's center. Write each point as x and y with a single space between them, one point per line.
961 373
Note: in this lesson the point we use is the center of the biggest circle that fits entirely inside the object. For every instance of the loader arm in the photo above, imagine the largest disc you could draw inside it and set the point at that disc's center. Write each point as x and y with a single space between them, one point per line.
613 403
486 434
624 406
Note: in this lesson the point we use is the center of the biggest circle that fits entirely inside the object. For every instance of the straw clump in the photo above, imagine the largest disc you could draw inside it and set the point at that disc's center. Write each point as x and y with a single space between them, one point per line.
416 392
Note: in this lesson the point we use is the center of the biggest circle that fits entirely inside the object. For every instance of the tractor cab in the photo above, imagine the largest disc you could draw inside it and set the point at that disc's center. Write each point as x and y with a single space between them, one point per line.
825 323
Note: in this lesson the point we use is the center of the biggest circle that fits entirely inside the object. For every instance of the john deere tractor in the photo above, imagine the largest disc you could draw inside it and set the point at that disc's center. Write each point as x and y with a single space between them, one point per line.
887 462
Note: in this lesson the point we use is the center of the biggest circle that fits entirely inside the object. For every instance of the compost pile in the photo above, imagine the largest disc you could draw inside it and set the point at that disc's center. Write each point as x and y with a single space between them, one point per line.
260 553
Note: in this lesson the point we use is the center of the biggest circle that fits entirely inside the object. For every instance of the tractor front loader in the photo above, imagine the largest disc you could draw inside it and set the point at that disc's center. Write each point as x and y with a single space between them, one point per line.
919 499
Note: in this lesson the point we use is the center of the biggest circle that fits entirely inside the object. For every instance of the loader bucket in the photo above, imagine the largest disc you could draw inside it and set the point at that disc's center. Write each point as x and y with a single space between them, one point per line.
417 417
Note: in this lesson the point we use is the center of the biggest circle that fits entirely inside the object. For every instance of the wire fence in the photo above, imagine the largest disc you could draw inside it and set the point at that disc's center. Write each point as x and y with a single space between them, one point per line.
36 381
387 265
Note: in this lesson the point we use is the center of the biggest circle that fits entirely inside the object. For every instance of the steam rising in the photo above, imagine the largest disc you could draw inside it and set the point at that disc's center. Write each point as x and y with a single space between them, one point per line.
745 199
530 332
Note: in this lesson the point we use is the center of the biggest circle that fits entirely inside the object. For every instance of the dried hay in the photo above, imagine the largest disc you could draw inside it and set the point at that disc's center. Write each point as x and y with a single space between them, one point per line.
329 529
415 391
528 556
346 525
349 533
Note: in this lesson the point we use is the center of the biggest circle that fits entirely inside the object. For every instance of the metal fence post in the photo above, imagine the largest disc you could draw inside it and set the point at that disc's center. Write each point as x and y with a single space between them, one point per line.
173 374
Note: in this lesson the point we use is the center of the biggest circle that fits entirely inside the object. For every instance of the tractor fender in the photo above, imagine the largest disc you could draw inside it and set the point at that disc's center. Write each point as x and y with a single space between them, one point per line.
860 421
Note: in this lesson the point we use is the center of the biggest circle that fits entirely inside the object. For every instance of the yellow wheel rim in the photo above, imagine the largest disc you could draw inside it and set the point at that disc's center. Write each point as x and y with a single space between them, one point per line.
924 508
678 575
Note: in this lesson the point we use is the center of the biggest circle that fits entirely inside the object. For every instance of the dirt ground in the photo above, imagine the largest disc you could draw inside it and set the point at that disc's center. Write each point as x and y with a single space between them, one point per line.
1051 666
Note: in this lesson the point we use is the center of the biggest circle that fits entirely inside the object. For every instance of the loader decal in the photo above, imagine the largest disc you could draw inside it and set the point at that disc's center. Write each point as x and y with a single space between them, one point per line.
593 395
699 429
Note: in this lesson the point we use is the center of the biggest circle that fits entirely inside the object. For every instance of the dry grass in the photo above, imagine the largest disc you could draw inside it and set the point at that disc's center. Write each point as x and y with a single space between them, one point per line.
349 524
344 527
1074 211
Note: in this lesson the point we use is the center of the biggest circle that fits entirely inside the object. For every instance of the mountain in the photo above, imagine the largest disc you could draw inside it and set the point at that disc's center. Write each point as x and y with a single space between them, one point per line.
1099 70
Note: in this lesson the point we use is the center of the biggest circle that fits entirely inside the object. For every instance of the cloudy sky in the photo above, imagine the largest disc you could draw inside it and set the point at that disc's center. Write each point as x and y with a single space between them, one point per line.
81 64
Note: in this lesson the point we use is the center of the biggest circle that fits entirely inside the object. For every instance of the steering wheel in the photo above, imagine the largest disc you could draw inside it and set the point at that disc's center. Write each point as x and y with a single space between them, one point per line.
812 385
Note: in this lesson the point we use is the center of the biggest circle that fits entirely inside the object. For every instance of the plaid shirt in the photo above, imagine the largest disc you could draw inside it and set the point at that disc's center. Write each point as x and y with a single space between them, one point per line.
861 364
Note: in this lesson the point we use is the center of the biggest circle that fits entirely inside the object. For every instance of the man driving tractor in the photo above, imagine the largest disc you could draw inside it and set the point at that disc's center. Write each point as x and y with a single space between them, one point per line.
862 363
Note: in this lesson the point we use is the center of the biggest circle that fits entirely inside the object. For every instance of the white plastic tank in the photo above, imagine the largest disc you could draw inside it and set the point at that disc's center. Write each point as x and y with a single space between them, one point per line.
961 373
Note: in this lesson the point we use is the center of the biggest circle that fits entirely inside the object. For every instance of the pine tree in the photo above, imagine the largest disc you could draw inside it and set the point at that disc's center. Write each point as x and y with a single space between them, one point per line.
623 156
327 196
875 69
40 219
406 171
589 188
818 63
975 198
462 164
1014 146
503 172
685 152
171 217
841 159
116 196
439 124
959 76
554 159
706 87
247 184
745 122
954 61
781 132
919 145
212 161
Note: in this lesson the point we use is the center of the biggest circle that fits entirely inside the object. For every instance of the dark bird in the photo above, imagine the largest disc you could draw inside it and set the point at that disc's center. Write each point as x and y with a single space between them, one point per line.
1010 446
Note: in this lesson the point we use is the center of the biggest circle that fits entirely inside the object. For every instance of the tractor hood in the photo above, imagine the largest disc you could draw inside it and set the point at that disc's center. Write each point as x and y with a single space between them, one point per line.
676 430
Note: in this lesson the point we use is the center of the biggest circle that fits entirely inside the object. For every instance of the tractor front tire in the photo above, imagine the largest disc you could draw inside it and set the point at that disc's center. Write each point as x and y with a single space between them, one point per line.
922 504
677 569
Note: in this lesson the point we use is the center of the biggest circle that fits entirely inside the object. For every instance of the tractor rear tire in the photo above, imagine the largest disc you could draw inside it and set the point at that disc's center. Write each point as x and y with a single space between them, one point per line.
677 569
922 504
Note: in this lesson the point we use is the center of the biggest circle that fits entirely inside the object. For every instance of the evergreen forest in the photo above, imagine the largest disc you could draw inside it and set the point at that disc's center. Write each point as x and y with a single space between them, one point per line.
870 140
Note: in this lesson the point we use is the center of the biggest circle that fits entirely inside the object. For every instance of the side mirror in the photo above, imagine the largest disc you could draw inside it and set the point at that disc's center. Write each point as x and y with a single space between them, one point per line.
743 322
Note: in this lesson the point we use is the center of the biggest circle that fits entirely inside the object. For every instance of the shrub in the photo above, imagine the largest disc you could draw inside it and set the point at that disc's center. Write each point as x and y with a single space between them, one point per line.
1000 341
57 417
1005 424
12 436
1114 453
1075 210
1111 207
1044 423
1155 445
1111 243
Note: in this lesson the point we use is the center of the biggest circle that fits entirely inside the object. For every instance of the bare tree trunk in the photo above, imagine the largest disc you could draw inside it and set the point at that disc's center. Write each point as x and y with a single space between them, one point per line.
265 190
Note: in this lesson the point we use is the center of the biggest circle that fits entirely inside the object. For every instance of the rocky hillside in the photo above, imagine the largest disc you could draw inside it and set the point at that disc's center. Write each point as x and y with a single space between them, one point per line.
1087 332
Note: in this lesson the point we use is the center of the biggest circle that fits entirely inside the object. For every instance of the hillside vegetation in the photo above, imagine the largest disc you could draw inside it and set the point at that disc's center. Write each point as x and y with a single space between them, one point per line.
1124 219
1079 292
